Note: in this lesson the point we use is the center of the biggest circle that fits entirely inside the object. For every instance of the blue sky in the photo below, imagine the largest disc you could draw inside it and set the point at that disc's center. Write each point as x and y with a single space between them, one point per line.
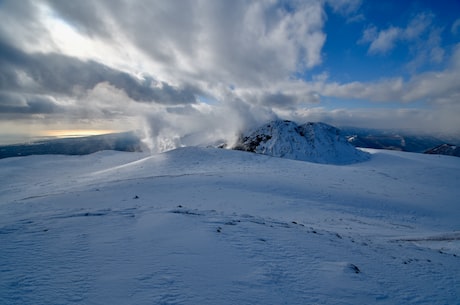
213 68
347 57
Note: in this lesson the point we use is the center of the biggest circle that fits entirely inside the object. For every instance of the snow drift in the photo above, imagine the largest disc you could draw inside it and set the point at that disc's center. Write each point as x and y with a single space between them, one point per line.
314 142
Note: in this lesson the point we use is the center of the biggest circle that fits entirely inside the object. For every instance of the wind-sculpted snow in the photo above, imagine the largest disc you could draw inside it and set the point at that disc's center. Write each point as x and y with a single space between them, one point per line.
216 226
314 142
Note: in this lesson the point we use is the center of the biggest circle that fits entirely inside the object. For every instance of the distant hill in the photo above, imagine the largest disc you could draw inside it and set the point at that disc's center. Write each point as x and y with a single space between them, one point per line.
314 142
126 141
371 138
445 149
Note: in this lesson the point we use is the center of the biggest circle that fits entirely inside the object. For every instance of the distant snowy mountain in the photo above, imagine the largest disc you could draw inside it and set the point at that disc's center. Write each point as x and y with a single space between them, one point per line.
393 140
445 149
314 142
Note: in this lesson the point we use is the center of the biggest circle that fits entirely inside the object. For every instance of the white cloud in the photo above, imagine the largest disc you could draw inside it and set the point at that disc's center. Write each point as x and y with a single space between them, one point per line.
417 26
455 27
427 121
21 23
385 40
235 42
344 7
428 86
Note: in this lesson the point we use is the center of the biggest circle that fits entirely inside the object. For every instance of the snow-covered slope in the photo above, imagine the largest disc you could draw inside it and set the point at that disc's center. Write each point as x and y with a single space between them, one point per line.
214 226
314 142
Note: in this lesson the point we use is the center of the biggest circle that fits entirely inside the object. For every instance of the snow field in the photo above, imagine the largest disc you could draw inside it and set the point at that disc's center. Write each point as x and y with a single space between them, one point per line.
211 226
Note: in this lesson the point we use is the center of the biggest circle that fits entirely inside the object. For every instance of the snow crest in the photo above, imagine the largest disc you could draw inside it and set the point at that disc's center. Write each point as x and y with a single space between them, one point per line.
313 142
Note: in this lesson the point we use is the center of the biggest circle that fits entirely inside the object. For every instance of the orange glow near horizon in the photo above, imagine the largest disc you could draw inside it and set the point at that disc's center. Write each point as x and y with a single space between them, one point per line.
71 133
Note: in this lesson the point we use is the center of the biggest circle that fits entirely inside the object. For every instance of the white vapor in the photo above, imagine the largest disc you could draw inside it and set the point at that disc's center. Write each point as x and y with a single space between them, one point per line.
200 124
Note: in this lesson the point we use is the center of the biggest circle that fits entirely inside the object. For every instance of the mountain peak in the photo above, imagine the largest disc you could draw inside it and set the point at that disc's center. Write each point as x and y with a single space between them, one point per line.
313 142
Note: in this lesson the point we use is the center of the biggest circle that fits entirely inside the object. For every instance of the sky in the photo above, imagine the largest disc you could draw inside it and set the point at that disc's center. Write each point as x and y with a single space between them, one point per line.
196 71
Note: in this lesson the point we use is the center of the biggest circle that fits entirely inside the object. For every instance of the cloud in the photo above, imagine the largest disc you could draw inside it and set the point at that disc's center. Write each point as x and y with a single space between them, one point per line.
421 37
173 127
86 16
378 91
434 86
164 53
455 27
191 48
430 86
417 26
417 121
238 42
151 64
348 9
13 106
385 40
64 75
30 29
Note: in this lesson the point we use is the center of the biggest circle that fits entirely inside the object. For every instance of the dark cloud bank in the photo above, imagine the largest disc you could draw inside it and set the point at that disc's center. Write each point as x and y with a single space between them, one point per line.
57 74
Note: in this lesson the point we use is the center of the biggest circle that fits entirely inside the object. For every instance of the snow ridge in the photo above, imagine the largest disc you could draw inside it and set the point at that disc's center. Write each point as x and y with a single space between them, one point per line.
313 142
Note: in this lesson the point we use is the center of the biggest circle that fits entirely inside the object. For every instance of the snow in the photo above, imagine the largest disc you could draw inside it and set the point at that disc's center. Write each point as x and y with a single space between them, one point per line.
313 142
214 226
